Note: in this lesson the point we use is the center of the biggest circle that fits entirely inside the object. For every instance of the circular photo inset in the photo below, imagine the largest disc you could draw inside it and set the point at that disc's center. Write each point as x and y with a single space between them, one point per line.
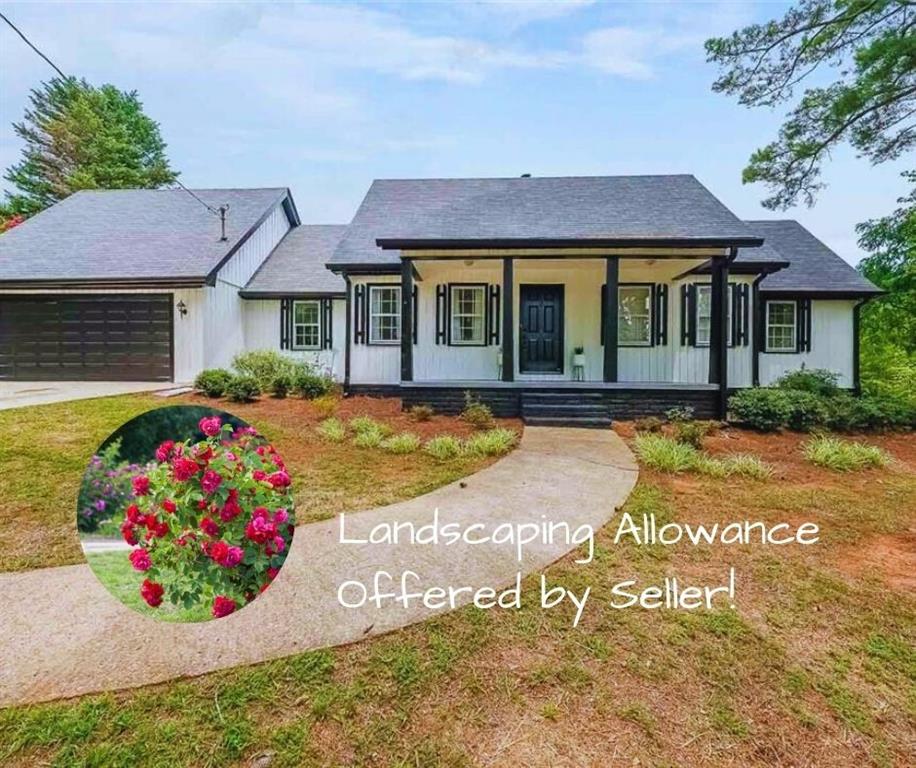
186 513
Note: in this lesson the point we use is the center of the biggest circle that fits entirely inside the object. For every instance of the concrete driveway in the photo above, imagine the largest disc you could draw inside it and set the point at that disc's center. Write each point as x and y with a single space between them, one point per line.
20 394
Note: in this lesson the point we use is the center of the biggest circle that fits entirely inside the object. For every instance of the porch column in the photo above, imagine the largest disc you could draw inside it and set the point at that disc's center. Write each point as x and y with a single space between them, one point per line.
612 274
406 320
508 335
718 331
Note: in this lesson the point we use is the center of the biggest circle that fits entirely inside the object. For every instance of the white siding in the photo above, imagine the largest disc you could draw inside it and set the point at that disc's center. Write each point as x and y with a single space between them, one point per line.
377 364
831 345
262 331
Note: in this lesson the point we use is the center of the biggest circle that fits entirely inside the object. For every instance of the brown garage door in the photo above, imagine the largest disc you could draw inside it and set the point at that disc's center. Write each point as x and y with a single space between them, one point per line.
86 338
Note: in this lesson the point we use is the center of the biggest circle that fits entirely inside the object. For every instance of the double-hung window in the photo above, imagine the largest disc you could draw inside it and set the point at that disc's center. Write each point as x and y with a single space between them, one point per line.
704 313
468 320
634 315
307 324
782 331
384 314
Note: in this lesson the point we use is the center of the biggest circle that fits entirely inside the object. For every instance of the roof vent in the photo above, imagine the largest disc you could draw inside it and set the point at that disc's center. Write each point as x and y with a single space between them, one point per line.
222 221
526 175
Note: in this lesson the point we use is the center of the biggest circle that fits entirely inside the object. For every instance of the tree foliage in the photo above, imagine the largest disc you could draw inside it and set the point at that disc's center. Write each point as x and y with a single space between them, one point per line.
78 137
868 48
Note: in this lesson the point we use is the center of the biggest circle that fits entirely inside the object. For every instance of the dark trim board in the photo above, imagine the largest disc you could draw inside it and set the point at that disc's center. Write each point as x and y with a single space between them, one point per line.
405 244
825 295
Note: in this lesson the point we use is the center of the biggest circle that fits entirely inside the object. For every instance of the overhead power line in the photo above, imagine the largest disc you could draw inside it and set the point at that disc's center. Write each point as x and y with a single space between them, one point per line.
33 46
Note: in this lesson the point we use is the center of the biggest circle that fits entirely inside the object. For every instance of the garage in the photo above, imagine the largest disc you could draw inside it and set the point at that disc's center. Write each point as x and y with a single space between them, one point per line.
86 337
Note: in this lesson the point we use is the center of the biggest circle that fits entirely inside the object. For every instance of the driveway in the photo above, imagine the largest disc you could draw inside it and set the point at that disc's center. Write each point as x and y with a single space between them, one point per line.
19 394
64 635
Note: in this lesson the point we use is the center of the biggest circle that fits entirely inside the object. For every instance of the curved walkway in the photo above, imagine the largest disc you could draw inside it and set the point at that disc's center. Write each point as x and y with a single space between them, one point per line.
62 634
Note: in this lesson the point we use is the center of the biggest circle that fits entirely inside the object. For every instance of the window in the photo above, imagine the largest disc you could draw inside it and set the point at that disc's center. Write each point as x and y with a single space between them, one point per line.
704 313
634 315
306 325
468 303
781 329
384 314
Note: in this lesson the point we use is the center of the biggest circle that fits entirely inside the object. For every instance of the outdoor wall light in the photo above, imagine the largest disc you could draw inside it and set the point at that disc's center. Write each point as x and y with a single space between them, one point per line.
182 308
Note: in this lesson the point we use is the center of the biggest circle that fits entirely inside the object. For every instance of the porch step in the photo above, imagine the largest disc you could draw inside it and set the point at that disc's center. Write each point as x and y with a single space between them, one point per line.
565 409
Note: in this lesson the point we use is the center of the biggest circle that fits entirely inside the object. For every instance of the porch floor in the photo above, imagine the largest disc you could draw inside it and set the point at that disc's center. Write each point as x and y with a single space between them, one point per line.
562 384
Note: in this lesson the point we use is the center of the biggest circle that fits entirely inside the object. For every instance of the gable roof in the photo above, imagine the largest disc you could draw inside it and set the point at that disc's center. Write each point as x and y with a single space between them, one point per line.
541 211
813 267
134 235
297 264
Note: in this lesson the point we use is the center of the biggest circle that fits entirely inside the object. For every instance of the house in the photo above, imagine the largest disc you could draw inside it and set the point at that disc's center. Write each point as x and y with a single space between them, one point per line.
571 298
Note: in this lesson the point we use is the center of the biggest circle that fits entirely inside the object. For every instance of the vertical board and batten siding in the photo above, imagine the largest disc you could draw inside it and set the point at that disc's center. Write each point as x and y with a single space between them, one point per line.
188 339
379 363
262 331
831 345
224 334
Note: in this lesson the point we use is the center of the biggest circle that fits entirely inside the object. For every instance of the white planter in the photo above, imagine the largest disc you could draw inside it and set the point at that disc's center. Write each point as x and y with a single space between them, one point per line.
579 360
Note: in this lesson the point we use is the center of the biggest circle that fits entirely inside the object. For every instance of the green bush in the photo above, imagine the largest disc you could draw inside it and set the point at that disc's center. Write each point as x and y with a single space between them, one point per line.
477 414
332 430
817 381
281 385
493 442
648 424
868 413
422 412
679 413
310 384
443 448
213 381
760 408
406 442
843 455
242 389
263 366
693 432
805 410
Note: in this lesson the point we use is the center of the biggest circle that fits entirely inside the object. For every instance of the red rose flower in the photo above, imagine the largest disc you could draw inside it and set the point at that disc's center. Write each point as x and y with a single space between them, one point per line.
210 425
223 606
169 506
127 531
279 479
156 528
209 527
210 481
140 560
151 592
272 573
141 485
225 555
132 513
202 454
164 451
203 504
259 475
184 469
231 508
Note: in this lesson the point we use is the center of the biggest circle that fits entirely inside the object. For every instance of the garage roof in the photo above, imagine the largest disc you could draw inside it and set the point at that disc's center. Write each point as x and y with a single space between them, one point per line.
134 235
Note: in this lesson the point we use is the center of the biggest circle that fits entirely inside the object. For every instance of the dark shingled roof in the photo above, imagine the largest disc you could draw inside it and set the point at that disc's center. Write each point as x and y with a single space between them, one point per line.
297 264
813 267
550 209
132 234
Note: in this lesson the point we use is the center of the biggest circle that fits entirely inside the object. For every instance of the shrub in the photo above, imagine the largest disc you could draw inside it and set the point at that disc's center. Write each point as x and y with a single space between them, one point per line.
693 432
213 381
760 408
804 410
443 448
816 381
493 442
281 385
263 366
105 489
648 424
422 412
679 413
332 430
477 414
664 454
852 414
326 405
406 442
226 557
746 465
843 455
242 389
310 384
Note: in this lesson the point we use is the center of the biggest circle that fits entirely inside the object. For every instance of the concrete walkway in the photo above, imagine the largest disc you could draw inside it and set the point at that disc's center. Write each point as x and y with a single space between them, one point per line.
62 634
20 394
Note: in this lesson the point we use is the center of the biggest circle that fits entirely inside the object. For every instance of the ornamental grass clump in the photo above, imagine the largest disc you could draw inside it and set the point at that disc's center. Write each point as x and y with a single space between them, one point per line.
443 447
332 430
211 521
369 432
493 442
406 442
664 454
843 455
746 465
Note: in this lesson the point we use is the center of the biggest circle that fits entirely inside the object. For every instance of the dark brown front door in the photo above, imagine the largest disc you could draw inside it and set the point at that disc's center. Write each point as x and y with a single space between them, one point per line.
541 329
86 338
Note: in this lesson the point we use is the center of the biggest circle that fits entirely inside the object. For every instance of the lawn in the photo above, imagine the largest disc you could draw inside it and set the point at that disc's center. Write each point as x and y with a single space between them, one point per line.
815 666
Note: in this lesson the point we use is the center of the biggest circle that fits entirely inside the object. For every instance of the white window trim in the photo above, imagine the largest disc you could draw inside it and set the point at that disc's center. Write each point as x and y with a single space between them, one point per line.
649 325
373 340
728 312
293 344
454 314
794 326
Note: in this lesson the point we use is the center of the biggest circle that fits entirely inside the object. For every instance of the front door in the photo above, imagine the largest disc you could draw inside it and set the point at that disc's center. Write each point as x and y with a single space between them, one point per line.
541 329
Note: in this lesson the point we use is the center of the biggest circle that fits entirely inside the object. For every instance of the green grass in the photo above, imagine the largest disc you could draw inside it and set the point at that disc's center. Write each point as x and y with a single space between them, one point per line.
843 455
406 442
114 570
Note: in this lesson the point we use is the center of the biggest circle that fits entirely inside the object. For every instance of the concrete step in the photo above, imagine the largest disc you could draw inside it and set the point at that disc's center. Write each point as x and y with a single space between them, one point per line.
584 422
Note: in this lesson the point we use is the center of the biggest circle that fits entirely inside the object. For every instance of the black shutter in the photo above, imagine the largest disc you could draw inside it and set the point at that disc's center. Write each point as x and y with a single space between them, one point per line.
286 323
415 301
441 318
734 297
660 314
803 325
495 314
603 310
745 314
359 318
689 315
327 320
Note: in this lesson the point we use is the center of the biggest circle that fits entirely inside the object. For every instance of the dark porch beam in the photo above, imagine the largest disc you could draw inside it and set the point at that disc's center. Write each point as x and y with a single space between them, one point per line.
718 332
508 334
406 320
611 282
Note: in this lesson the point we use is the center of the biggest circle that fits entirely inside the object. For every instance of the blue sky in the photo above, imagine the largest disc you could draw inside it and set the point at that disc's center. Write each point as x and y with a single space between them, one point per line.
325 97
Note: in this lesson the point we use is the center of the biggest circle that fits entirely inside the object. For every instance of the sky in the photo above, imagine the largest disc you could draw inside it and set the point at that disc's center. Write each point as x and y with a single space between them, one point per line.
323 97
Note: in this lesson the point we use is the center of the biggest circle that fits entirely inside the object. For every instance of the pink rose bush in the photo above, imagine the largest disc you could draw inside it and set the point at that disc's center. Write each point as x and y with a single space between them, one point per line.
211 522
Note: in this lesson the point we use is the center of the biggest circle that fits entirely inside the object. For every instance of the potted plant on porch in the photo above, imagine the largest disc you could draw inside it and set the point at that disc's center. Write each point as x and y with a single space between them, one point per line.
578 363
